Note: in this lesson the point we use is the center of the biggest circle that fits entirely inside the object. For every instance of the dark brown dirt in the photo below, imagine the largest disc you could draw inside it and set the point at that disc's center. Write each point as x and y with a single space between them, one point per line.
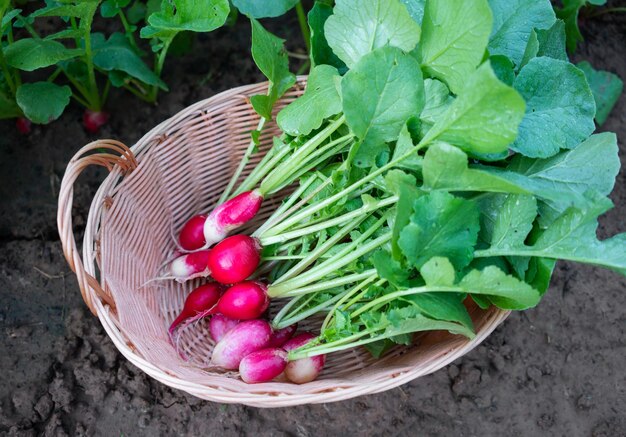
554 370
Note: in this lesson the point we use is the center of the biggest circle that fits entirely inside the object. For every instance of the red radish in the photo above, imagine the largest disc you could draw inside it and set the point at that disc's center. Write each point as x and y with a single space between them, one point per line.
201 232
245 300
231 214
198 303
192 234
220 325
23 125
247 337
280 336
94 120
191 265
234 259
263 365
304 369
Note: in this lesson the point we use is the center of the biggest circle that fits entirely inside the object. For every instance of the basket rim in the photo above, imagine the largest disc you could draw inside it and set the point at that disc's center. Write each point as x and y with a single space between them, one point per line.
263 395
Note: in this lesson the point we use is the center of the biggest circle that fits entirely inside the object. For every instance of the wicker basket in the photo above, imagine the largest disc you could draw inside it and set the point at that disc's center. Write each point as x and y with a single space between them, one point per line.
176 170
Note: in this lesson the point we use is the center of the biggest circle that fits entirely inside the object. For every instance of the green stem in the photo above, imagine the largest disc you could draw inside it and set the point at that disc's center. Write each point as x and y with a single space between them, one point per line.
282 257
304 67
283 321
313 256
300 156
316 159
30 29
319 250
81 89
7 73
80 100
304 26
309 211
326 285
93 85
158 66
327 267
250 181
277 217
411 291
365 209
129 32
137 93
55 74
105 93
337 345
345 297
291 199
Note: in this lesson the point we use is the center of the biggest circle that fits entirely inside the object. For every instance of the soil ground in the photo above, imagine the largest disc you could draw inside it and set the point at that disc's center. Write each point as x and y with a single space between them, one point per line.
555 370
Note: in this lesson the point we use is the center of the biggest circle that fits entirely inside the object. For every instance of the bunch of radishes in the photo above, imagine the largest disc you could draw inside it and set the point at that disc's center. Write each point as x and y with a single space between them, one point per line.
244 341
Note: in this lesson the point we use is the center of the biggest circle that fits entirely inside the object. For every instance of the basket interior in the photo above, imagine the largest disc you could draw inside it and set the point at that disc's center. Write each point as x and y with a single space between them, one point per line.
183 166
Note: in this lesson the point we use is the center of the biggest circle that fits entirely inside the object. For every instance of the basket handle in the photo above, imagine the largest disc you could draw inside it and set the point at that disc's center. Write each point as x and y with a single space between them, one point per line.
121 158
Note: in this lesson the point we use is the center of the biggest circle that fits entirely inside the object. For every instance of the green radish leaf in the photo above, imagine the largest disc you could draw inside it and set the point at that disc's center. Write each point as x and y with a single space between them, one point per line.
66 34
404 146
490 282
110 8
192 15
552 41
442 306
560 181
445 167
136 13
321 53
57 9
455 35
503 68
43 102
29 54
504 291
606 88
559 108
437 101
506 219
572 237
404 186
569 14
416 9
320 100
513 23
377 23
563 179
484 117
116 54
532 48
398 321
380 94
441 225
7 18
270 56
390 269
264 9
438 271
